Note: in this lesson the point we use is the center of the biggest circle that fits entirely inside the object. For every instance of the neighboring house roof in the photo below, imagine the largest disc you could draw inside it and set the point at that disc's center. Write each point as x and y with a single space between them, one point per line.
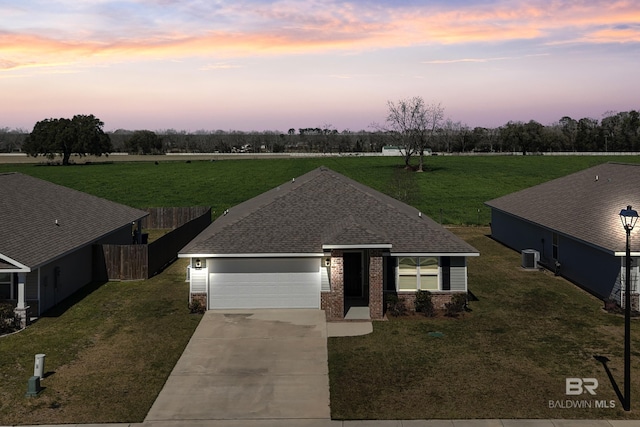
584 205
41 221
321 210
5 265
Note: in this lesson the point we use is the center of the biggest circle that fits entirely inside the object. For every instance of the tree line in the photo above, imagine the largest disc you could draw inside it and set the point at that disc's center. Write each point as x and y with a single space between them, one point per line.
412 124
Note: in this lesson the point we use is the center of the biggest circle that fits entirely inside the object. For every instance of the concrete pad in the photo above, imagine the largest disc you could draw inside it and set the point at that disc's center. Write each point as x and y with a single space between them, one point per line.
527 423
240 396
625 423
358 313
240 324
477 423
427 423
221 358
372 423
243 423
581 423
250 365
83 425
348 329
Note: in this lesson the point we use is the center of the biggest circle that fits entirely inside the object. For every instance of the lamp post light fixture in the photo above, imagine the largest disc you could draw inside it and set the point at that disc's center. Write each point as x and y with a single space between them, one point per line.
629 217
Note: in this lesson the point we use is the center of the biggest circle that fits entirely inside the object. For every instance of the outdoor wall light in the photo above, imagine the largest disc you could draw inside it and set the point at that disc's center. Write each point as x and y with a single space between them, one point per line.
629 217
197 264
327 262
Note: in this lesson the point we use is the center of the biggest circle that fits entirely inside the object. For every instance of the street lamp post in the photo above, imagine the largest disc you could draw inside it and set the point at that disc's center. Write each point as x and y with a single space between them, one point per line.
629 218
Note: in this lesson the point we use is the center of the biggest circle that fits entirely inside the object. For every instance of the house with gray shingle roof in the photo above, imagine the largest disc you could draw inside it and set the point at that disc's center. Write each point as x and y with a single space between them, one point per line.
48 235
573 223
323 241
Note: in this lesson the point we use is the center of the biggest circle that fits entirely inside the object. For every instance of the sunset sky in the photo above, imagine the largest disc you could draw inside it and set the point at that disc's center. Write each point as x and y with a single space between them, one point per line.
274 65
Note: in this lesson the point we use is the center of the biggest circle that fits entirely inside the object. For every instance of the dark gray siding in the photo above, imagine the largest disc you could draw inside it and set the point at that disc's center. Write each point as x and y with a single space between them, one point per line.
519 234
592 269
122 236
61 278
75 270
31 286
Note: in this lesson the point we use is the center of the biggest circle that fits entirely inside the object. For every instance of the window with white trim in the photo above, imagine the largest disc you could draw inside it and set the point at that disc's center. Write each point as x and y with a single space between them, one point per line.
6 280
418 273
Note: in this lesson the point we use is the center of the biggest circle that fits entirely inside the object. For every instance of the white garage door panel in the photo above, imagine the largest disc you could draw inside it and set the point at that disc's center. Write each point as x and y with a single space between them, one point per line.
265 265
264 290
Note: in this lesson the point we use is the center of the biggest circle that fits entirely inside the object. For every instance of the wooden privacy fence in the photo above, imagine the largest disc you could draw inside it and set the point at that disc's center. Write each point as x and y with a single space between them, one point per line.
126 262
172 217
137 262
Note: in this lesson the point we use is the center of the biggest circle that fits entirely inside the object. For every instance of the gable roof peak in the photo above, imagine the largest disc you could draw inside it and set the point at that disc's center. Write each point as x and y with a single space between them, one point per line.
318 208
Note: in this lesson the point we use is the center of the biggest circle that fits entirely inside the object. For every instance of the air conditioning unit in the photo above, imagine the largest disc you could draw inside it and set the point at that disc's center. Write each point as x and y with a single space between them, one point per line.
530 258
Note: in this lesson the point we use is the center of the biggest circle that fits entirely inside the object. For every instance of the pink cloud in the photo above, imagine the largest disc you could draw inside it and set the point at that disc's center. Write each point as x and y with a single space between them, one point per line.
286 28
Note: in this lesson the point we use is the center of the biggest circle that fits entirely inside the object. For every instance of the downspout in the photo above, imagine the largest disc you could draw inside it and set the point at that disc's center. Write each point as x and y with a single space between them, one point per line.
39 283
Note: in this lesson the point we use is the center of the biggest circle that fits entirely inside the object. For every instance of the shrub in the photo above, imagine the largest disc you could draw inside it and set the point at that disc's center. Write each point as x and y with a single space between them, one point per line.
424 304
9 321
456 306
196 306
395 305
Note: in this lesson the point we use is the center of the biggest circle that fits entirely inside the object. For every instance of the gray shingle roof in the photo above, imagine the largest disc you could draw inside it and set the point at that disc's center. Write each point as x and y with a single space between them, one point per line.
320 208
581 205
29 208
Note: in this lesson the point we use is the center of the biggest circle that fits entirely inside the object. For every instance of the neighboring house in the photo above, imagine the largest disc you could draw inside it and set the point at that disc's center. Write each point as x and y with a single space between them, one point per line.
324 241
573 224
48 232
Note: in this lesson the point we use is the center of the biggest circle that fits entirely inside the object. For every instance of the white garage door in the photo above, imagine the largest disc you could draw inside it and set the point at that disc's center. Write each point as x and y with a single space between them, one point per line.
264 283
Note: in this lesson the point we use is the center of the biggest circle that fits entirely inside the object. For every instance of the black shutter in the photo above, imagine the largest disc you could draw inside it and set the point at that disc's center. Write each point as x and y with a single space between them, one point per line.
445 264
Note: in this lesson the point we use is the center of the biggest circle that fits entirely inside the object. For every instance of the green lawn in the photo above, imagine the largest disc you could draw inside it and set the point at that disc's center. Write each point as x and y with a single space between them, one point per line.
527 332
453 190
109 351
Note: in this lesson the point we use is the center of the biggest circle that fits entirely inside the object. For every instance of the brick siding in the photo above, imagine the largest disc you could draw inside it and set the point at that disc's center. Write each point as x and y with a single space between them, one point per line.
333 302
202 297
376 291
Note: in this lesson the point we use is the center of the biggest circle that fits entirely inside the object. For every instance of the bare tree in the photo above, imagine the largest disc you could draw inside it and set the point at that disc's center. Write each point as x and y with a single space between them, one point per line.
412 124
431 121
402 122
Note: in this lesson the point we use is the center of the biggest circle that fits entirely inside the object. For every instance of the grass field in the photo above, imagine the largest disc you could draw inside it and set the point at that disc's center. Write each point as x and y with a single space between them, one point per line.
527 332
110 350
452 191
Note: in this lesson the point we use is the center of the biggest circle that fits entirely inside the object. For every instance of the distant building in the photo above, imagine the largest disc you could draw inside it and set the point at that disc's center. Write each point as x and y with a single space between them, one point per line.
394 150
391 150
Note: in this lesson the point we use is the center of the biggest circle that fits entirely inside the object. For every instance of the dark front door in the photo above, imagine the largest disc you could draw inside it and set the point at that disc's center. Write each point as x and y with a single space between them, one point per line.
352 265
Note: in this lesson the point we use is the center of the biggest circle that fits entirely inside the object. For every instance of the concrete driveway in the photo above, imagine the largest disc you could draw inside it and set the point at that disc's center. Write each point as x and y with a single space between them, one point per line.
250 365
